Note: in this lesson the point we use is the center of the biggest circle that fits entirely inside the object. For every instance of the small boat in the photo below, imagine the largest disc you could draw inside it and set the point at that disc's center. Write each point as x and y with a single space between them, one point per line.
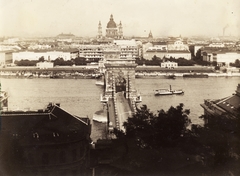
163 92
99 83
54 76
177 92
170 76
168 91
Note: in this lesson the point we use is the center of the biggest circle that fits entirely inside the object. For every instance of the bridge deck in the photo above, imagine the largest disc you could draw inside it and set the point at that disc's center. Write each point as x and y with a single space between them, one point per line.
120 113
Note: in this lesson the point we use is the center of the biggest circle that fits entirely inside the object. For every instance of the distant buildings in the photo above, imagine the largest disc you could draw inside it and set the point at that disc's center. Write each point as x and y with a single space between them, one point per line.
65 37
48 55
94 53
223 56
68 46
175 48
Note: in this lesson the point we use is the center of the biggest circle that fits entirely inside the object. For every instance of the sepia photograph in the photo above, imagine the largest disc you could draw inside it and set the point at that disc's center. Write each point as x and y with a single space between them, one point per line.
119 88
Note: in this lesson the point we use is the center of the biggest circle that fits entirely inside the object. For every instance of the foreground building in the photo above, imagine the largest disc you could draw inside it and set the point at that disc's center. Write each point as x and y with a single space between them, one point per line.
229 106
49 141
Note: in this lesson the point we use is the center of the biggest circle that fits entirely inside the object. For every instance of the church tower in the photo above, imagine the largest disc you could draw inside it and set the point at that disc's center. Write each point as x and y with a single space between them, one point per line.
150 36
120 31
99 30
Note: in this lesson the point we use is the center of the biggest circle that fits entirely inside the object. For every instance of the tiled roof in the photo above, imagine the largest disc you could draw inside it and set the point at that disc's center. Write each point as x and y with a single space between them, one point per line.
230 104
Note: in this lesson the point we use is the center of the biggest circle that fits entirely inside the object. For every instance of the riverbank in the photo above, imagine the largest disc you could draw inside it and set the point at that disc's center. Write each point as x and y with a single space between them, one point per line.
89 72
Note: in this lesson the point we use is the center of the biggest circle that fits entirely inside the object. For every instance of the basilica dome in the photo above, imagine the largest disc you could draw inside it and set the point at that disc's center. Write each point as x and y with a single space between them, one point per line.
111 23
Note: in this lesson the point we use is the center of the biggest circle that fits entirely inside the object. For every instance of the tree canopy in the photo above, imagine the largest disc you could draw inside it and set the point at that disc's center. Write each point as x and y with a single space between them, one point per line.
215 145
160 129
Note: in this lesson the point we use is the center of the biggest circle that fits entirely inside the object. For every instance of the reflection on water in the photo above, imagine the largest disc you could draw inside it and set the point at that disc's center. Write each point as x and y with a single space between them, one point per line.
82 96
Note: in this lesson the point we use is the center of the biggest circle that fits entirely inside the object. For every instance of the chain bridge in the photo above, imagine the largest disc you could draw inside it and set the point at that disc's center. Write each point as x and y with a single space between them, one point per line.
120 95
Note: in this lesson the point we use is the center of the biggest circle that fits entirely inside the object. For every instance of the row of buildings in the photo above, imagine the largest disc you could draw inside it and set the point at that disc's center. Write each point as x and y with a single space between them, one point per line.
129 48
94 52
69 46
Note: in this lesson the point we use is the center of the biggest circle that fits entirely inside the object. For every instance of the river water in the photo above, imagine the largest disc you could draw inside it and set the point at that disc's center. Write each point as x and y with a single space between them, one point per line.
82 97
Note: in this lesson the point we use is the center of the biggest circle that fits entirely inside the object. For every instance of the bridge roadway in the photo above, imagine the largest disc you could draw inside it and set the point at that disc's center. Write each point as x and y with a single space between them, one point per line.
123 111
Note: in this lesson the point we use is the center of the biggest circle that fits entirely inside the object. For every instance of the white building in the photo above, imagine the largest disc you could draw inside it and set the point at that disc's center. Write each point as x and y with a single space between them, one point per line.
178 54
177 45
221 57
129 48
217 45
91 52
35 55
149 54
44 65
169 64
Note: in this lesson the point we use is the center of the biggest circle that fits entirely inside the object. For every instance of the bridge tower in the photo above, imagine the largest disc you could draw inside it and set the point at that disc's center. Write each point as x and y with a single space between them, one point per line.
120 93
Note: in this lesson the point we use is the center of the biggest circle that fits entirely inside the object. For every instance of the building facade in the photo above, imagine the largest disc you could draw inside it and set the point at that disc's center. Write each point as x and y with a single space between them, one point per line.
45 65
169 64
221 57
49 141
129 48
48 55
228 107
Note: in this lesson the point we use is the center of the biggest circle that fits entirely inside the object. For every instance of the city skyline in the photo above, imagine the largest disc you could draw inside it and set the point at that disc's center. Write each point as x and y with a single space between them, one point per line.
44 18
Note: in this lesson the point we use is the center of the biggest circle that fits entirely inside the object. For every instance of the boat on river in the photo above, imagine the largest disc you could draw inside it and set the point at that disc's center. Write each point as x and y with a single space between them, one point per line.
168 91
99 83
177 92
163 92
170 76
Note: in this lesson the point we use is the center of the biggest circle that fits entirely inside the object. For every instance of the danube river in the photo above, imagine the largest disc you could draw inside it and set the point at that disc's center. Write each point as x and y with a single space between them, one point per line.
82 97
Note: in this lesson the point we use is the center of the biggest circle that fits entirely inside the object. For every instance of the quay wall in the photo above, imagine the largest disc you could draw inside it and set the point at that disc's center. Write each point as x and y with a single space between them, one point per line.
89 68
94 69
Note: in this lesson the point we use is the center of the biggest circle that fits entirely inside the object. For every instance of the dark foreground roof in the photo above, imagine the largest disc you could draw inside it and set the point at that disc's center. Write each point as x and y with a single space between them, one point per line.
49 125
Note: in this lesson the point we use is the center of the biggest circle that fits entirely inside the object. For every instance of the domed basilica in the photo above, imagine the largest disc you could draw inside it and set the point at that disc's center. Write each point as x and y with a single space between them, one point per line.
112 31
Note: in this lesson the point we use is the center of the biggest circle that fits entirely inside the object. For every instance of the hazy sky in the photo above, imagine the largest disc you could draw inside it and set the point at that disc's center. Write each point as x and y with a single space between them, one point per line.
138 17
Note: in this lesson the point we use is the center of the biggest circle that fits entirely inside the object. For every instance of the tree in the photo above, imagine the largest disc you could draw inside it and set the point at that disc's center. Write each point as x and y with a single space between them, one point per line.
236 63
41 59
25 62
80 61
219 142
155 60
163 129
171 125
